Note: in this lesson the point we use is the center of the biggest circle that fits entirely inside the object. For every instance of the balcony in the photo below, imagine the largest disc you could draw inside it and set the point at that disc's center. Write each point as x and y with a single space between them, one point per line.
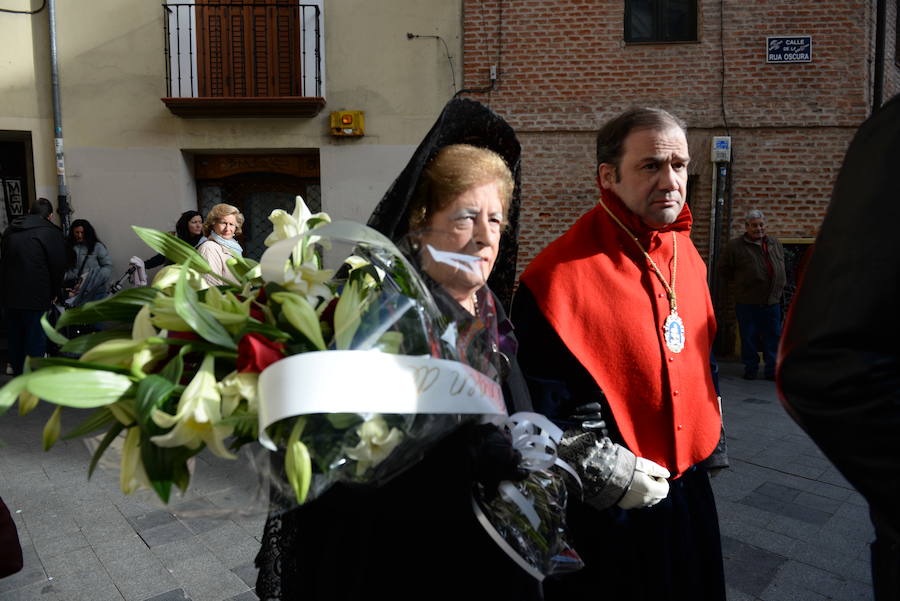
243 59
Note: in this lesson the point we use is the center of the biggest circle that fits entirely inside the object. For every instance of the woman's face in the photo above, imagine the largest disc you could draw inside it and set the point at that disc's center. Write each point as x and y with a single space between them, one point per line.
470 224
78 234
195 225
226 226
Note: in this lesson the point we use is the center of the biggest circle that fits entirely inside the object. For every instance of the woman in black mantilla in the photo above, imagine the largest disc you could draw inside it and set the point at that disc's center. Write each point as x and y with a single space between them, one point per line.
417 536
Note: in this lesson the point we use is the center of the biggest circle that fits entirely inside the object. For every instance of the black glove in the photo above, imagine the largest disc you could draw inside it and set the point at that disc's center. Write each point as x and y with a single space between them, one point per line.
493 458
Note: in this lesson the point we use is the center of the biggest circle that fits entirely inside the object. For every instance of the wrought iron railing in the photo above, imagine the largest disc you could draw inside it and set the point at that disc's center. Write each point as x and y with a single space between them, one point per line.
242 49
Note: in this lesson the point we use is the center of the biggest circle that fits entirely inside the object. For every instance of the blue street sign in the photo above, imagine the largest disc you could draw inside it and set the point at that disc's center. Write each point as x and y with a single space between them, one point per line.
789 49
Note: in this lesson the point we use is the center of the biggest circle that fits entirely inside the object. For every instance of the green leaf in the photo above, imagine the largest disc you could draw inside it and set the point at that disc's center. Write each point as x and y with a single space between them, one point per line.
175 367
152 392
46 362
173 248
241 267
10 392
270 332
122 307
80 345
100 418
245 424
52 335
111 434
165 466
187 306
79 388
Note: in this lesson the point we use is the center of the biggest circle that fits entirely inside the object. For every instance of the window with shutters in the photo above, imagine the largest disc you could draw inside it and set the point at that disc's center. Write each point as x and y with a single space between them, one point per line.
244 57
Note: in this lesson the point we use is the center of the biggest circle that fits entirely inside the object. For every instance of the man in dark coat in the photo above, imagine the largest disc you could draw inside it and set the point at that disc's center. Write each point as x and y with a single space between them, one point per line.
754 264
32 263
839 365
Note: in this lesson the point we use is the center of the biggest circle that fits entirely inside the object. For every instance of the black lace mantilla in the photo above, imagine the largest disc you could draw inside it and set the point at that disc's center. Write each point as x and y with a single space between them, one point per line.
463 121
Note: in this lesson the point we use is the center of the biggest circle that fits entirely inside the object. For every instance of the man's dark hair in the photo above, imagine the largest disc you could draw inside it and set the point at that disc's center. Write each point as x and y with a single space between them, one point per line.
611 137
42 207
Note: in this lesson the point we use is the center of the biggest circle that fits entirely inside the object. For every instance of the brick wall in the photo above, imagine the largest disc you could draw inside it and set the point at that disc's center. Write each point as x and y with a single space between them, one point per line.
564 69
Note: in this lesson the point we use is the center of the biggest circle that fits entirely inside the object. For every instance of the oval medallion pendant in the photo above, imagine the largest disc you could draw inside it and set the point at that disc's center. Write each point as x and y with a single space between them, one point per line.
674 332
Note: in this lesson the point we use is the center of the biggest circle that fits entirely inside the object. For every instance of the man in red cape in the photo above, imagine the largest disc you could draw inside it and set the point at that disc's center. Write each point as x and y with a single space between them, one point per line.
615 328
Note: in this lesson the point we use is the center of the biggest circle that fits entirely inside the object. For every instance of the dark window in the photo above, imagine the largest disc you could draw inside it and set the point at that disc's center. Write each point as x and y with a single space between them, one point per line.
660 20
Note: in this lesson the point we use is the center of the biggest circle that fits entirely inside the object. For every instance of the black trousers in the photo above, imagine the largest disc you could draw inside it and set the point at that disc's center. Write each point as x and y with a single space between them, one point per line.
669 552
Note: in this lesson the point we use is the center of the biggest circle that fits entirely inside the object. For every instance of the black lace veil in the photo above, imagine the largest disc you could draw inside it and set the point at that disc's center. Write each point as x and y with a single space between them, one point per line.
463 121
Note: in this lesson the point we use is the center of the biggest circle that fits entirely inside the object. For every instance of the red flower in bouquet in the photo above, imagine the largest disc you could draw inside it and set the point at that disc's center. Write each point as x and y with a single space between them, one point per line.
256 352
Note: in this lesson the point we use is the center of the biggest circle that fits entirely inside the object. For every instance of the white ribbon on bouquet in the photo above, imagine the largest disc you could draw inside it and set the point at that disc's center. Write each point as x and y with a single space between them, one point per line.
536 438
371 382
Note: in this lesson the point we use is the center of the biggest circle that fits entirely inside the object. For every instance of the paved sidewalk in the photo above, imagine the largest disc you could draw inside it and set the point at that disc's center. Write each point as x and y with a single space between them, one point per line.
792 528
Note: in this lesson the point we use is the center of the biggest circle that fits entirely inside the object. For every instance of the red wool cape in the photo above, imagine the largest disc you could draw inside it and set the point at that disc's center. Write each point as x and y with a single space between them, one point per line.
600 295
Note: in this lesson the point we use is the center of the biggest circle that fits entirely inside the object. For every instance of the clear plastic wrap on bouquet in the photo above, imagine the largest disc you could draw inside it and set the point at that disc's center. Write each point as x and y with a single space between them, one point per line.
527 518
535 538
400 377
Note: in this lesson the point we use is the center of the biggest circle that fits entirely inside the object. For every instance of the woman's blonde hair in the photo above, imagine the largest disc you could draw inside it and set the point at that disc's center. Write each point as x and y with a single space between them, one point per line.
217 213
454 170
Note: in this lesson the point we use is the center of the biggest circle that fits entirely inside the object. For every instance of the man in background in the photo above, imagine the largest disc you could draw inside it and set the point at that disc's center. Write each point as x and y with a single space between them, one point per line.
32 262
754 264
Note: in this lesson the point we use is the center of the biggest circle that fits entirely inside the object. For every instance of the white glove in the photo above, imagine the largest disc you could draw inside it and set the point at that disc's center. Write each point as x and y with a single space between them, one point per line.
648 487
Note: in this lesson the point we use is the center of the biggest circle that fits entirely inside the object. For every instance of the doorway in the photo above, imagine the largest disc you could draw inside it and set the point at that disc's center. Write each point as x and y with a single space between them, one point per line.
257 185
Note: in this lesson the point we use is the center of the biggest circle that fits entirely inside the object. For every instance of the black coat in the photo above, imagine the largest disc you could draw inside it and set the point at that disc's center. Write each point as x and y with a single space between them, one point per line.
839 367
414 537
32 263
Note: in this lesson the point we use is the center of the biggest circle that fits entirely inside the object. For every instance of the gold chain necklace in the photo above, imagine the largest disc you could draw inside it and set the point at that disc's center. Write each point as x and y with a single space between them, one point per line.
673 327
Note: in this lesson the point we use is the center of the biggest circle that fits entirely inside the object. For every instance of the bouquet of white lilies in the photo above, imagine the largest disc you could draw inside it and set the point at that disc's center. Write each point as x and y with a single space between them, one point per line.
343 371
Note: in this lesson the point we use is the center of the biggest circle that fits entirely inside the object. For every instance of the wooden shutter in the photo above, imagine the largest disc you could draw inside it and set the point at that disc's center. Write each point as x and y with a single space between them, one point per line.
249 48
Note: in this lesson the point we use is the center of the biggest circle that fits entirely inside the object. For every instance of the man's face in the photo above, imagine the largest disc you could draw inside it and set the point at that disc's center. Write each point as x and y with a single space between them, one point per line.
78 234
756 229
652 176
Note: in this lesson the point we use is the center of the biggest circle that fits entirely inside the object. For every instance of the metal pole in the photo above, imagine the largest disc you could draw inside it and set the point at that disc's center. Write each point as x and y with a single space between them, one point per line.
62 197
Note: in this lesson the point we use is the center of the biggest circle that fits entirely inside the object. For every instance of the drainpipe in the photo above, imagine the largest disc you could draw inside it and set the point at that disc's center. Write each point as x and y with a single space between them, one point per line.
878 84
62 197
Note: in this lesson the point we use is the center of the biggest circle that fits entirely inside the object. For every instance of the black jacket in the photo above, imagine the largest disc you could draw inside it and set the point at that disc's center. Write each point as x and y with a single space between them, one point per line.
839 365
32 263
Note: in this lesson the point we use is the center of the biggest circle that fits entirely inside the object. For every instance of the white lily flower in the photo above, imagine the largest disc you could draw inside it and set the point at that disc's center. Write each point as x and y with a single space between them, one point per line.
132 475
284 226
355 262
236 387
297 223
308 280
375 443
197 417
143 327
